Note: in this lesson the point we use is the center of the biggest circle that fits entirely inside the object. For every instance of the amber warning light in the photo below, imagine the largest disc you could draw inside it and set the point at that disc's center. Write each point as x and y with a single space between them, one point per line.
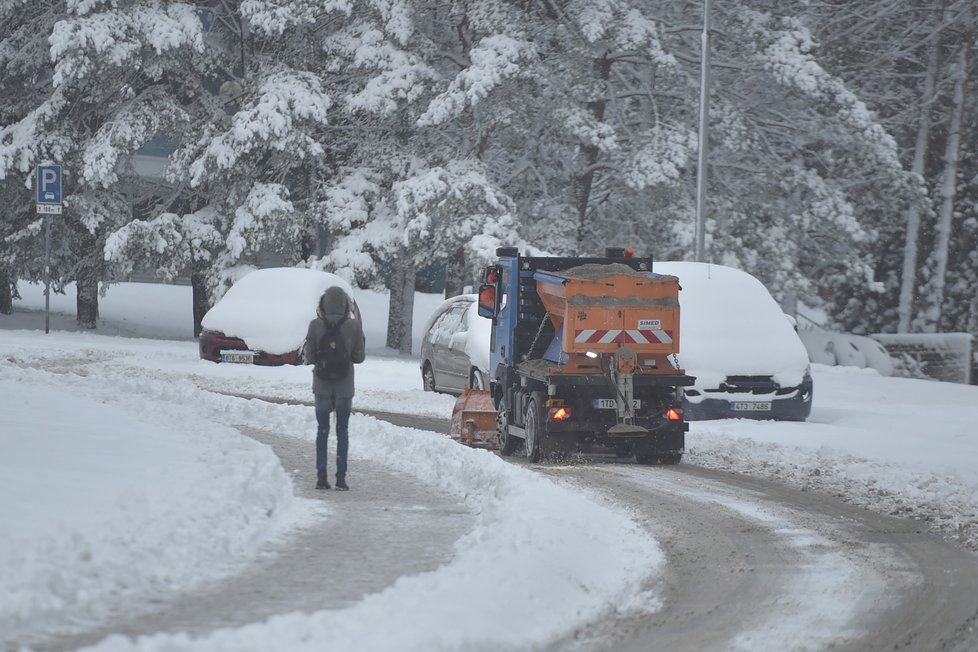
560 413
674 415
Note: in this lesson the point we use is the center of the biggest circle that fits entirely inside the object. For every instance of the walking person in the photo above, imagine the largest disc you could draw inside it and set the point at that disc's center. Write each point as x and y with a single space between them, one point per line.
334 343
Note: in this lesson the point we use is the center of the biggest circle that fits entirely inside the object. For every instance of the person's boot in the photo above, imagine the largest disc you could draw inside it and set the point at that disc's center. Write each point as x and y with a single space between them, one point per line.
322 483
341 484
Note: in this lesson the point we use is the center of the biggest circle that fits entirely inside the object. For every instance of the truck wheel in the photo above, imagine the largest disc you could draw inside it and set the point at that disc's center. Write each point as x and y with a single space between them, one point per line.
645 454
534 429
507 442
670 458
646 458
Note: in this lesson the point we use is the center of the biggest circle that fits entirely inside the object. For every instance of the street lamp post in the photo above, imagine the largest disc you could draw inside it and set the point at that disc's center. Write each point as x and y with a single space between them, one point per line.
704 140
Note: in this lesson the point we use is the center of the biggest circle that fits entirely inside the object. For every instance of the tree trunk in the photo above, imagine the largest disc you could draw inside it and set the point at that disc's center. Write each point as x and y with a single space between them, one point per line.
6 295
400 316
949 181
87 300
87 279
395 323
309 240
909 277
201 299
407 310
590 155
455 273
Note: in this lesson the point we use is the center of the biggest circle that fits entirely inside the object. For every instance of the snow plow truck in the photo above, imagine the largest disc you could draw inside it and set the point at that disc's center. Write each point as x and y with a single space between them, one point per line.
583 354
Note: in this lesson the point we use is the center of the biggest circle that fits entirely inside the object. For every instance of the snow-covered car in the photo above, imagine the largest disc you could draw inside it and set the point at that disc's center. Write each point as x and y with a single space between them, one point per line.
845 349
264 317
734 338
455 347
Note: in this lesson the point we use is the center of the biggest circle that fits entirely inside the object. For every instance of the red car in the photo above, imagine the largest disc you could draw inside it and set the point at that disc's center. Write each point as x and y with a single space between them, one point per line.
264 317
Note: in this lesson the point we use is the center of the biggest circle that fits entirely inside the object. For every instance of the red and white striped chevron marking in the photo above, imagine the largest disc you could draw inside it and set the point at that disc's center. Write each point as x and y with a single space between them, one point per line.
622 336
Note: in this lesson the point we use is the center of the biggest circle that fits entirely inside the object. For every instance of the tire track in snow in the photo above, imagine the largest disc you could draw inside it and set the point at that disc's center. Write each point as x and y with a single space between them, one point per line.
756 566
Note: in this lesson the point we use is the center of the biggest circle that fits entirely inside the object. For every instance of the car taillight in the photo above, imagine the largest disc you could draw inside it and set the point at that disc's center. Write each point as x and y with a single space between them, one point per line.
562 413
673 414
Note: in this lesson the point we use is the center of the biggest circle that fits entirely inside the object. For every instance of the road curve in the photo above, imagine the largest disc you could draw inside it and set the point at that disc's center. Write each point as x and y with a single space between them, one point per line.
751 565
754 565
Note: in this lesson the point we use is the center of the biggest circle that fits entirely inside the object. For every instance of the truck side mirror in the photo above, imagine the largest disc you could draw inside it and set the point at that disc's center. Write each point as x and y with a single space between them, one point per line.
487 300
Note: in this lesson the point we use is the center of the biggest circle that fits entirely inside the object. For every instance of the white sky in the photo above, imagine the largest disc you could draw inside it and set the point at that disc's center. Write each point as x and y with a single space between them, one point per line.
120 477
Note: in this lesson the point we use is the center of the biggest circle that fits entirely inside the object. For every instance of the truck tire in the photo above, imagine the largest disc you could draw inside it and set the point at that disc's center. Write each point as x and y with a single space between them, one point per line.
645 453
507 442
535 428
643 457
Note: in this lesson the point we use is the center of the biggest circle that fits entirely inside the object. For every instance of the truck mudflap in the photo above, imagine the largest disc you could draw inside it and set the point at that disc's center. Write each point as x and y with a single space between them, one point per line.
604 428
664 445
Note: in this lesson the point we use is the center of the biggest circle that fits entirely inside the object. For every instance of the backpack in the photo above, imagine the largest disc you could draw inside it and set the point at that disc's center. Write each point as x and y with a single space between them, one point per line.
333 358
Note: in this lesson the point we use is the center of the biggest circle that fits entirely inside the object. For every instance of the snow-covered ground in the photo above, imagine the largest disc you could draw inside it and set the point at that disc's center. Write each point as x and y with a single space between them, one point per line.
121 476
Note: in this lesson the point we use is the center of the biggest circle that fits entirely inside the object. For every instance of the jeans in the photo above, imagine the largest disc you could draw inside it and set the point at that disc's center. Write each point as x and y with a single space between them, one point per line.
343 407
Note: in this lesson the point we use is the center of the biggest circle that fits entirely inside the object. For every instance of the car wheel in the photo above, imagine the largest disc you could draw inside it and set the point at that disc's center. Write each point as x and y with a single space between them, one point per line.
534 428
428 378
476 381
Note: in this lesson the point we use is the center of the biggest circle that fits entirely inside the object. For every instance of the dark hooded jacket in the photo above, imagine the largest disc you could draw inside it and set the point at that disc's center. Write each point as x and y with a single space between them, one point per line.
332 306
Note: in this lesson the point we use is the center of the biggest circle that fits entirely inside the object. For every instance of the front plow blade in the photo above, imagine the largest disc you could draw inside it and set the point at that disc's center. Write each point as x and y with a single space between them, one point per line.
474 419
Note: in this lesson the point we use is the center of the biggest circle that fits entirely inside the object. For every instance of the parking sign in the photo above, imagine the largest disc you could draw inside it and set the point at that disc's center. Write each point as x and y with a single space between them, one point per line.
49 189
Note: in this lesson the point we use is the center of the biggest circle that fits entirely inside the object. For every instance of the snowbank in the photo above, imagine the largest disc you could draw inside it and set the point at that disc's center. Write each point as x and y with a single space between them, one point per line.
894 445
540 559
566 557
109 494
898 446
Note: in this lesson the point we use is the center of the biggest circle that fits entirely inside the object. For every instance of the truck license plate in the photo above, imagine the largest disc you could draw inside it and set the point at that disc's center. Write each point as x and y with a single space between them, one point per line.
750 406
609 403
243 357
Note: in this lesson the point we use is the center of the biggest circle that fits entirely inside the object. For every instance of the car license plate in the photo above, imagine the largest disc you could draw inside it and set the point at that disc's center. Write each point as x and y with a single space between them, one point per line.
750 406
609 403
244 357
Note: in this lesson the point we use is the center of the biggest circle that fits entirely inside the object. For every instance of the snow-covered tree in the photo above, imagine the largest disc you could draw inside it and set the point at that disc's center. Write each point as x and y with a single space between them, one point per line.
809 166
99 81
24 86
963 69
903 58
410 132
410 194
248 152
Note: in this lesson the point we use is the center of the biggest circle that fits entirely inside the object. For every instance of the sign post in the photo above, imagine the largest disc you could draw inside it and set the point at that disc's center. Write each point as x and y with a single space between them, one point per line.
48 203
